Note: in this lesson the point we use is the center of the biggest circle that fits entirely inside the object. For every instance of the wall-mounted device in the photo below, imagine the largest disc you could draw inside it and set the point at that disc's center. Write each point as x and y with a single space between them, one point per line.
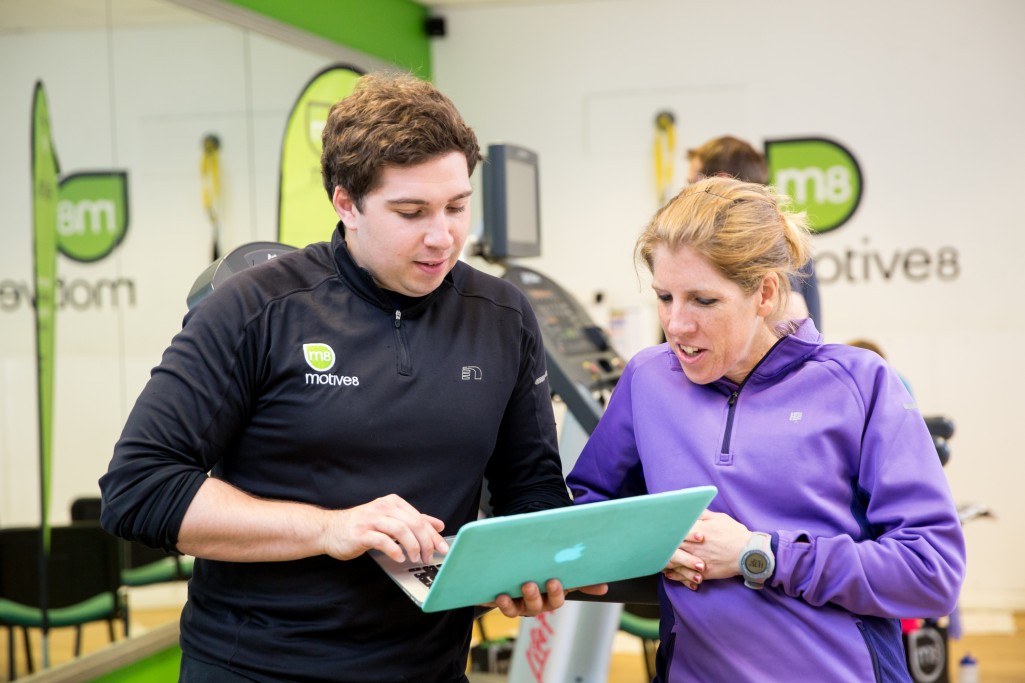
512 212
582 365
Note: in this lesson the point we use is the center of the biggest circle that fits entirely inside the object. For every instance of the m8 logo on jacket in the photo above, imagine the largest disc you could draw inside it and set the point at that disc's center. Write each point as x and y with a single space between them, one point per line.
321 358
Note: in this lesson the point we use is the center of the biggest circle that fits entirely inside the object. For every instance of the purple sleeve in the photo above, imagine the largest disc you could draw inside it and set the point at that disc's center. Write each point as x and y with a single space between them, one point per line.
910 561
609 465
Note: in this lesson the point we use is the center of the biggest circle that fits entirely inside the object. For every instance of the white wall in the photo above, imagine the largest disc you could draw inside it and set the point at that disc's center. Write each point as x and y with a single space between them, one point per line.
138 99
929 98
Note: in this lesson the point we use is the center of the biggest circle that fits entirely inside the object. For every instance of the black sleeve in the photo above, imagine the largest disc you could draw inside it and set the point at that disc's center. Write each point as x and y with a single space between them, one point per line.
189 410
525 471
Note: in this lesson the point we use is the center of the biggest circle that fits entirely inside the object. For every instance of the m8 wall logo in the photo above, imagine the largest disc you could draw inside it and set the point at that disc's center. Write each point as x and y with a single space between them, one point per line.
321 358
92 220
92 214
821 176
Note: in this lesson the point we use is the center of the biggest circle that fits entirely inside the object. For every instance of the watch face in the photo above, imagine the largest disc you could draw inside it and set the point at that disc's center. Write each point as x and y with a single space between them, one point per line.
755 563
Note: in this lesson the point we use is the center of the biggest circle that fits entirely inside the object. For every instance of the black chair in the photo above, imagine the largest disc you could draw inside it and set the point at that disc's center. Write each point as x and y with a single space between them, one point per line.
143 566
140 564
941 429
86 509
83 578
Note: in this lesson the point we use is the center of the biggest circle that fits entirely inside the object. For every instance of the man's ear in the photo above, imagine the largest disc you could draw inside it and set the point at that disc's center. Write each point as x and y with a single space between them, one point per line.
344 206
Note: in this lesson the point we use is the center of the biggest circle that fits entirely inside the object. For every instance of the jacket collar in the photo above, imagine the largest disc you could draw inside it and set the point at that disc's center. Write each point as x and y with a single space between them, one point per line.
362 282
788 352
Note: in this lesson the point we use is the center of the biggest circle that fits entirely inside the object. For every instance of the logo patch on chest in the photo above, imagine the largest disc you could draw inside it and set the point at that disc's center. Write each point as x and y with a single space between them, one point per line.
320 357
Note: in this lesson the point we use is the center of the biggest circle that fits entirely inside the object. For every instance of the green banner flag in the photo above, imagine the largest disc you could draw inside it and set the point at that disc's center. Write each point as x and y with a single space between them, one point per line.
44 220
305 214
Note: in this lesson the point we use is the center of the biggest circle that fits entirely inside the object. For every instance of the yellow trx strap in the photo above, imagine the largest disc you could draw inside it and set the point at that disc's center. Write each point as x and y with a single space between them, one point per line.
665 153
210 176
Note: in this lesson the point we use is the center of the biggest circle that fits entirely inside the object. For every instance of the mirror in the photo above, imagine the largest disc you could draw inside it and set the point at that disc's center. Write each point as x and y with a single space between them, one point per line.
134 89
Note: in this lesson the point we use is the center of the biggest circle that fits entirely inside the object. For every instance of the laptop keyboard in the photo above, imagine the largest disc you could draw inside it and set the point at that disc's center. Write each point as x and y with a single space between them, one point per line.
426 573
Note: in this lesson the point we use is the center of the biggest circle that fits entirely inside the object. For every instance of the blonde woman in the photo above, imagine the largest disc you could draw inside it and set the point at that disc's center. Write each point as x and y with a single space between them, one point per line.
833 517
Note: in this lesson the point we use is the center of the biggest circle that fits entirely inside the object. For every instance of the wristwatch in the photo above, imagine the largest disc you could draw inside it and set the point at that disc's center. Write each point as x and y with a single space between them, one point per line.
756 560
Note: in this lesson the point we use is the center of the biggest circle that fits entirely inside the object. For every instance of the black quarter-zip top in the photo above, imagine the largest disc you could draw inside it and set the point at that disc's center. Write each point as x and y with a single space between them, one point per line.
402 356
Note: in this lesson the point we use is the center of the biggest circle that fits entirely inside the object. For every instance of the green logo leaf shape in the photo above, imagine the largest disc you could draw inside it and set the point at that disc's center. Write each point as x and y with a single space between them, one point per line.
821 176
92 214
320 357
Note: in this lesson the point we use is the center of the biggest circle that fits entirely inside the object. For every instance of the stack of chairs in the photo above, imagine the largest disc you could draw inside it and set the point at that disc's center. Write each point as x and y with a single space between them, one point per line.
140 564
83 572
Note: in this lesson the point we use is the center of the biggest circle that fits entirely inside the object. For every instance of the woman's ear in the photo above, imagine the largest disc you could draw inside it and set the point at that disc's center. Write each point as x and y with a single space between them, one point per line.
768 295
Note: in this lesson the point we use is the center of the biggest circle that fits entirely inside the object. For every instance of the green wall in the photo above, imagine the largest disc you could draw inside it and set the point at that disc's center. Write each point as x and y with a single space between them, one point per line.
392 30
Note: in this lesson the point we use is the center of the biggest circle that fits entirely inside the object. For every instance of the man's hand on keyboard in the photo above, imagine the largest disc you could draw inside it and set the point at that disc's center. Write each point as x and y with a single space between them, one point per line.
389 524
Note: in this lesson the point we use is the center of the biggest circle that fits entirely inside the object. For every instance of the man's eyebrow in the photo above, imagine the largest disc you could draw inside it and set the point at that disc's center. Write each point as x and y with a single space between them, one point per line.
424 202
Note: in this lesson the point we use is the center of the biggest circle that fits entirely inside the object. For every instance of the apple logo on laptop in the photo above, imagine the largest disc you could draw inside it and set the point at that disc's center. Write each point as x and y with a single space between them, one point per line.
570 554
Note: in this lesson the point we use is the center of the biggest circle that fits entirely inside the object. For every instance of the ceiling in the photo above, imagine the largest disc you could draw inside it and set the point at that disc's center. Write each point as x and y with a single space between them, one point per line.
441 4
37 15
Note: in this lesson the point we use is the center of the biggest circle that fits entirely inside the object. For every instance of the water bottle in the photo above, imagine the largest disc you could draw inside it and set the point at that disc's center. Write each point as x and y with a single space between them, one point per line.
968 670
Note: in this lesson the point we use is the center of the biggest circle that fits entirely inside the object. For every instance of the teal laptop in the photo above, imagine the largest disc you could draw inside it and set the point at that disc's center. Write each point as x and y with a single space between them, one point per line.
580 545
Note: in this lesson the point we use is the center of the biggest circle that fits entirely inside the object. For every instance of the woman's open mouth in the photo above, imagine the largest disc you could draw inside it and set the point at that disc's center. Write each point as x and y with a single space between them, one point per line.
689 351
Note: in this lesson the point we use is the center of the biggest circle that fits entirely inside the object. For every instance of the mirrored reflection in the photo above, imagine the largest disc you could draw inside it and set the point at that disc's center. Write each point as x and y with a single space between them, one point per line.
134 88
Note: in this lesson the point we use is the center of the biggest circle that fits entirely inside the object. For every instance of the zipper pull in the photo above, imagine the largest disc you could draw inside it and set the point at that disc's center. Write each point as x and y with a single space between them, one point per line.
398 318
733 399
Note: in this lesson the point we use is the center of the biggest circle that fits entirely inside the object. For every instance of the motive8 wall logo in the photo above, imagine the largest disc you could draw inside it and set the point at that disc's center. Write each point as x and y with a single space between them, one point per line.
823 179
